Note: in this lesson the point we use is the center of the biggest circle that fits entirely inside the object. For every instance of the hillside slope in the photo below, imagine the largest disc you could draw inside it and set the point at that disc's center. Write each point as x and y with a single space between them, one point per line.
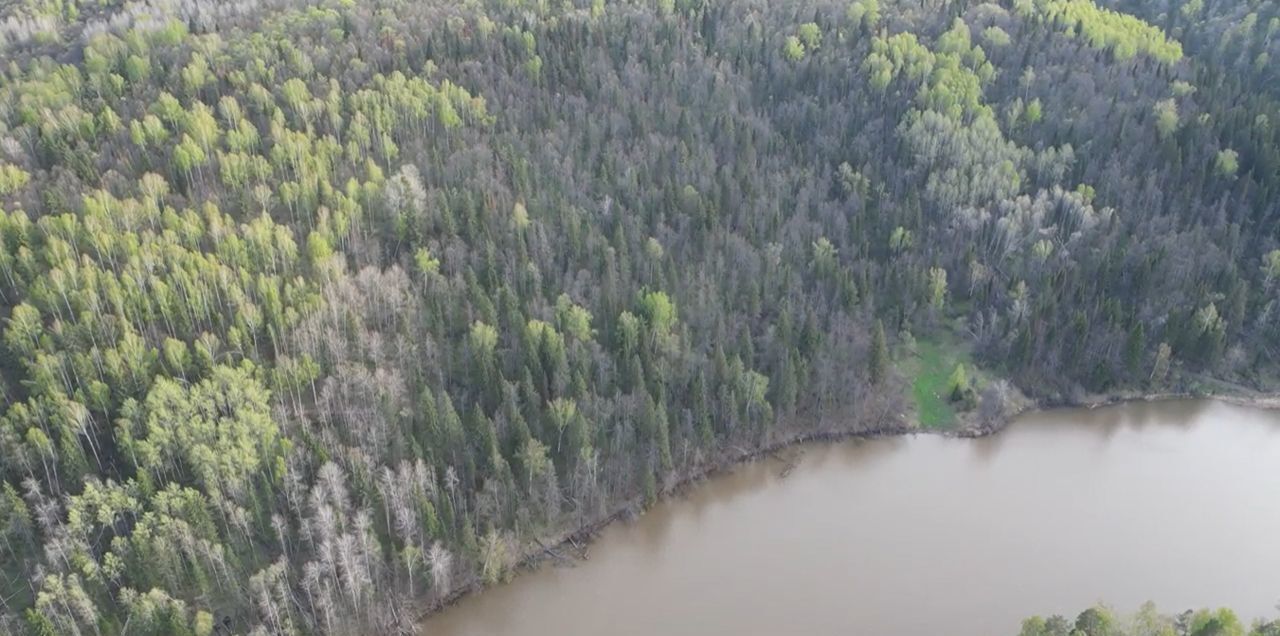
315 312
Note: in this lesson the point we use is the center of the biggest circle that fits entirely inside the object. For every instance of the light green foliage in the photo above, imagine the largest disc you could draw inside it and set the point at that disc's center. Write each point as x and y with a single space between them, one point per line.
218 431
203 625
901 53
864 13
824 256
196 75
853 182
1042 250
951 114
1207 319
177 356
755 388
495 558
629 327
535 459
202 127
937 287
1227 163
658 311
544 336
1220 622
169 109
793 49
901 239
1271 266
810 35
189 155
1147 621
1122 34
484 338
1034 112
654 250
1181 88
520 215
1086 192
880 75
995 37
955 41
958 383
66 592
426 263
533 66
1166 112
573 319
12 178
1098 619
1160 370
137 69
22 334
148 132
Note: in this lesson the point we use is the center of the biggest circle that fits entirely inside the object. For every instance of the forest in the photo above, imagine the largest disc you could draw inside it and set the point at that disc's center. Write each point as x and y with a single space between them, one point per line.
1147 621
316 313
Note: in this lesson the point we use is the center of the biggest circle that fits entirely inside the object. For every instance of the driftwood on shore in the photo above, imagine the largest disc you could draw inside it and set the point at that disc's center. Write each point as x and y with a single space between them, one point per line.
550 551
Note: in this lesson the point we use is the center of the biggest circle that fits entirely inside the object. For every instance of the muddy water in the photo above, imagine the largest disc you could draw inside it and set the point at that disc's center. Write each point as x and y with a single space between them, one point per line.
1175 502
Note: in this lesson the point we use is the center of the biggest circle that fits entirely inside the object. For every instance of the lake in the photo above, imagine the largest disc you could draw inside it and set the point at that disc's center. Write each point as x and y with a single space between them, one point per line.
1176 502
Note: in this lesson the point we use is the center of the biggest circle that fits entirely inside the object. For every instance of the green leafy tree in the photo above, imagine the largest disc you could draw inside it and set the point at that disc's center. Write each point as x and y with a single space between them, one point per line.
958 387
1166 112
1227 163
810 36
793 49
864 13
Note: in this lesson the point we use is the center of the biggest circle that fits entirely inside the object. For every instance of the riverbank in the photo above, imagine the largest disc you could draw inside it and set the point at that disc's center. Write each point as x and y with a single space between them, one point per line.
577 539
1247 398
572 544
909 534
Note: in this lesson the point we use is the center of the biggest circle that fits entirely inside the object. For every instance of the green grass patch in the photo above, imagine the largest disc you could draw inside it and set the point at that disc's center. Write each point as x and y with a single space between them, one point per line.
927 365
929 386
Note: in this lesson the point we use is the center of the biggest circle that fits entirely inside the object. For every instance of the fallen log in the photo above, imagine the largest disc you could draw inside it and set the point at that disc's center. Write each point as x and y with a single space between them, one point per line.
551 551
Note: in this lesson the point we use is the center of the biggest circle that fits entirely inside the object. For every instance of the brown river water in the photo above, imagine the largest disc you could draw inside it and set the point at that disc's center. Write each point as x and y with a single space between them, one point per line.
1173 502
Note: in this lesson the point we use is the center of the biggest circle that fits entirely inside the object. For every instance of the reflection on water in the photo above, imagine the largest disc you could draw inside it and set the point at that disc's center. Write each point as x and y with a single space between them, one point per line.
1171 501
1103 423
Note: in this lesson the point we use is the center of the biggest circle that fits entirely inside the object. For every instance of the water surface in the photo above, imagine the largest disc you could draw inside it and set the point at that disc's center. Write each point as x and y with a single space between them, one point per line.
1175 502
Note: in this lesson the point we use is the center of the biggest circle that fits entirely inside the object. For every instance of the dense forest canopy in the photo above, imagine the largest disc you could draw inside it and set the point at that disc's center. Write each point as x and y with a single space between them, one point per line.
317 311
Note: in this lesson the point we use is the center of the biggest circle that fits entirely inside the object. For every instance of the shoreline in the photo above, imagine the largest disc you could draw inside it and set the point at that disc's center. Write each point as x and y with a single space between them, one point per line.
579 538
1248 399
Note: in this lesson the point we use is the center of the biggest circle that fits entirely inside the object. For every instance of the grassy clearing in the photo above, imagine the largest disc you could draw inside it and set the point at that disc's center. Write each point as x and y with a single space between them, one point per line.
928 364
929 386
